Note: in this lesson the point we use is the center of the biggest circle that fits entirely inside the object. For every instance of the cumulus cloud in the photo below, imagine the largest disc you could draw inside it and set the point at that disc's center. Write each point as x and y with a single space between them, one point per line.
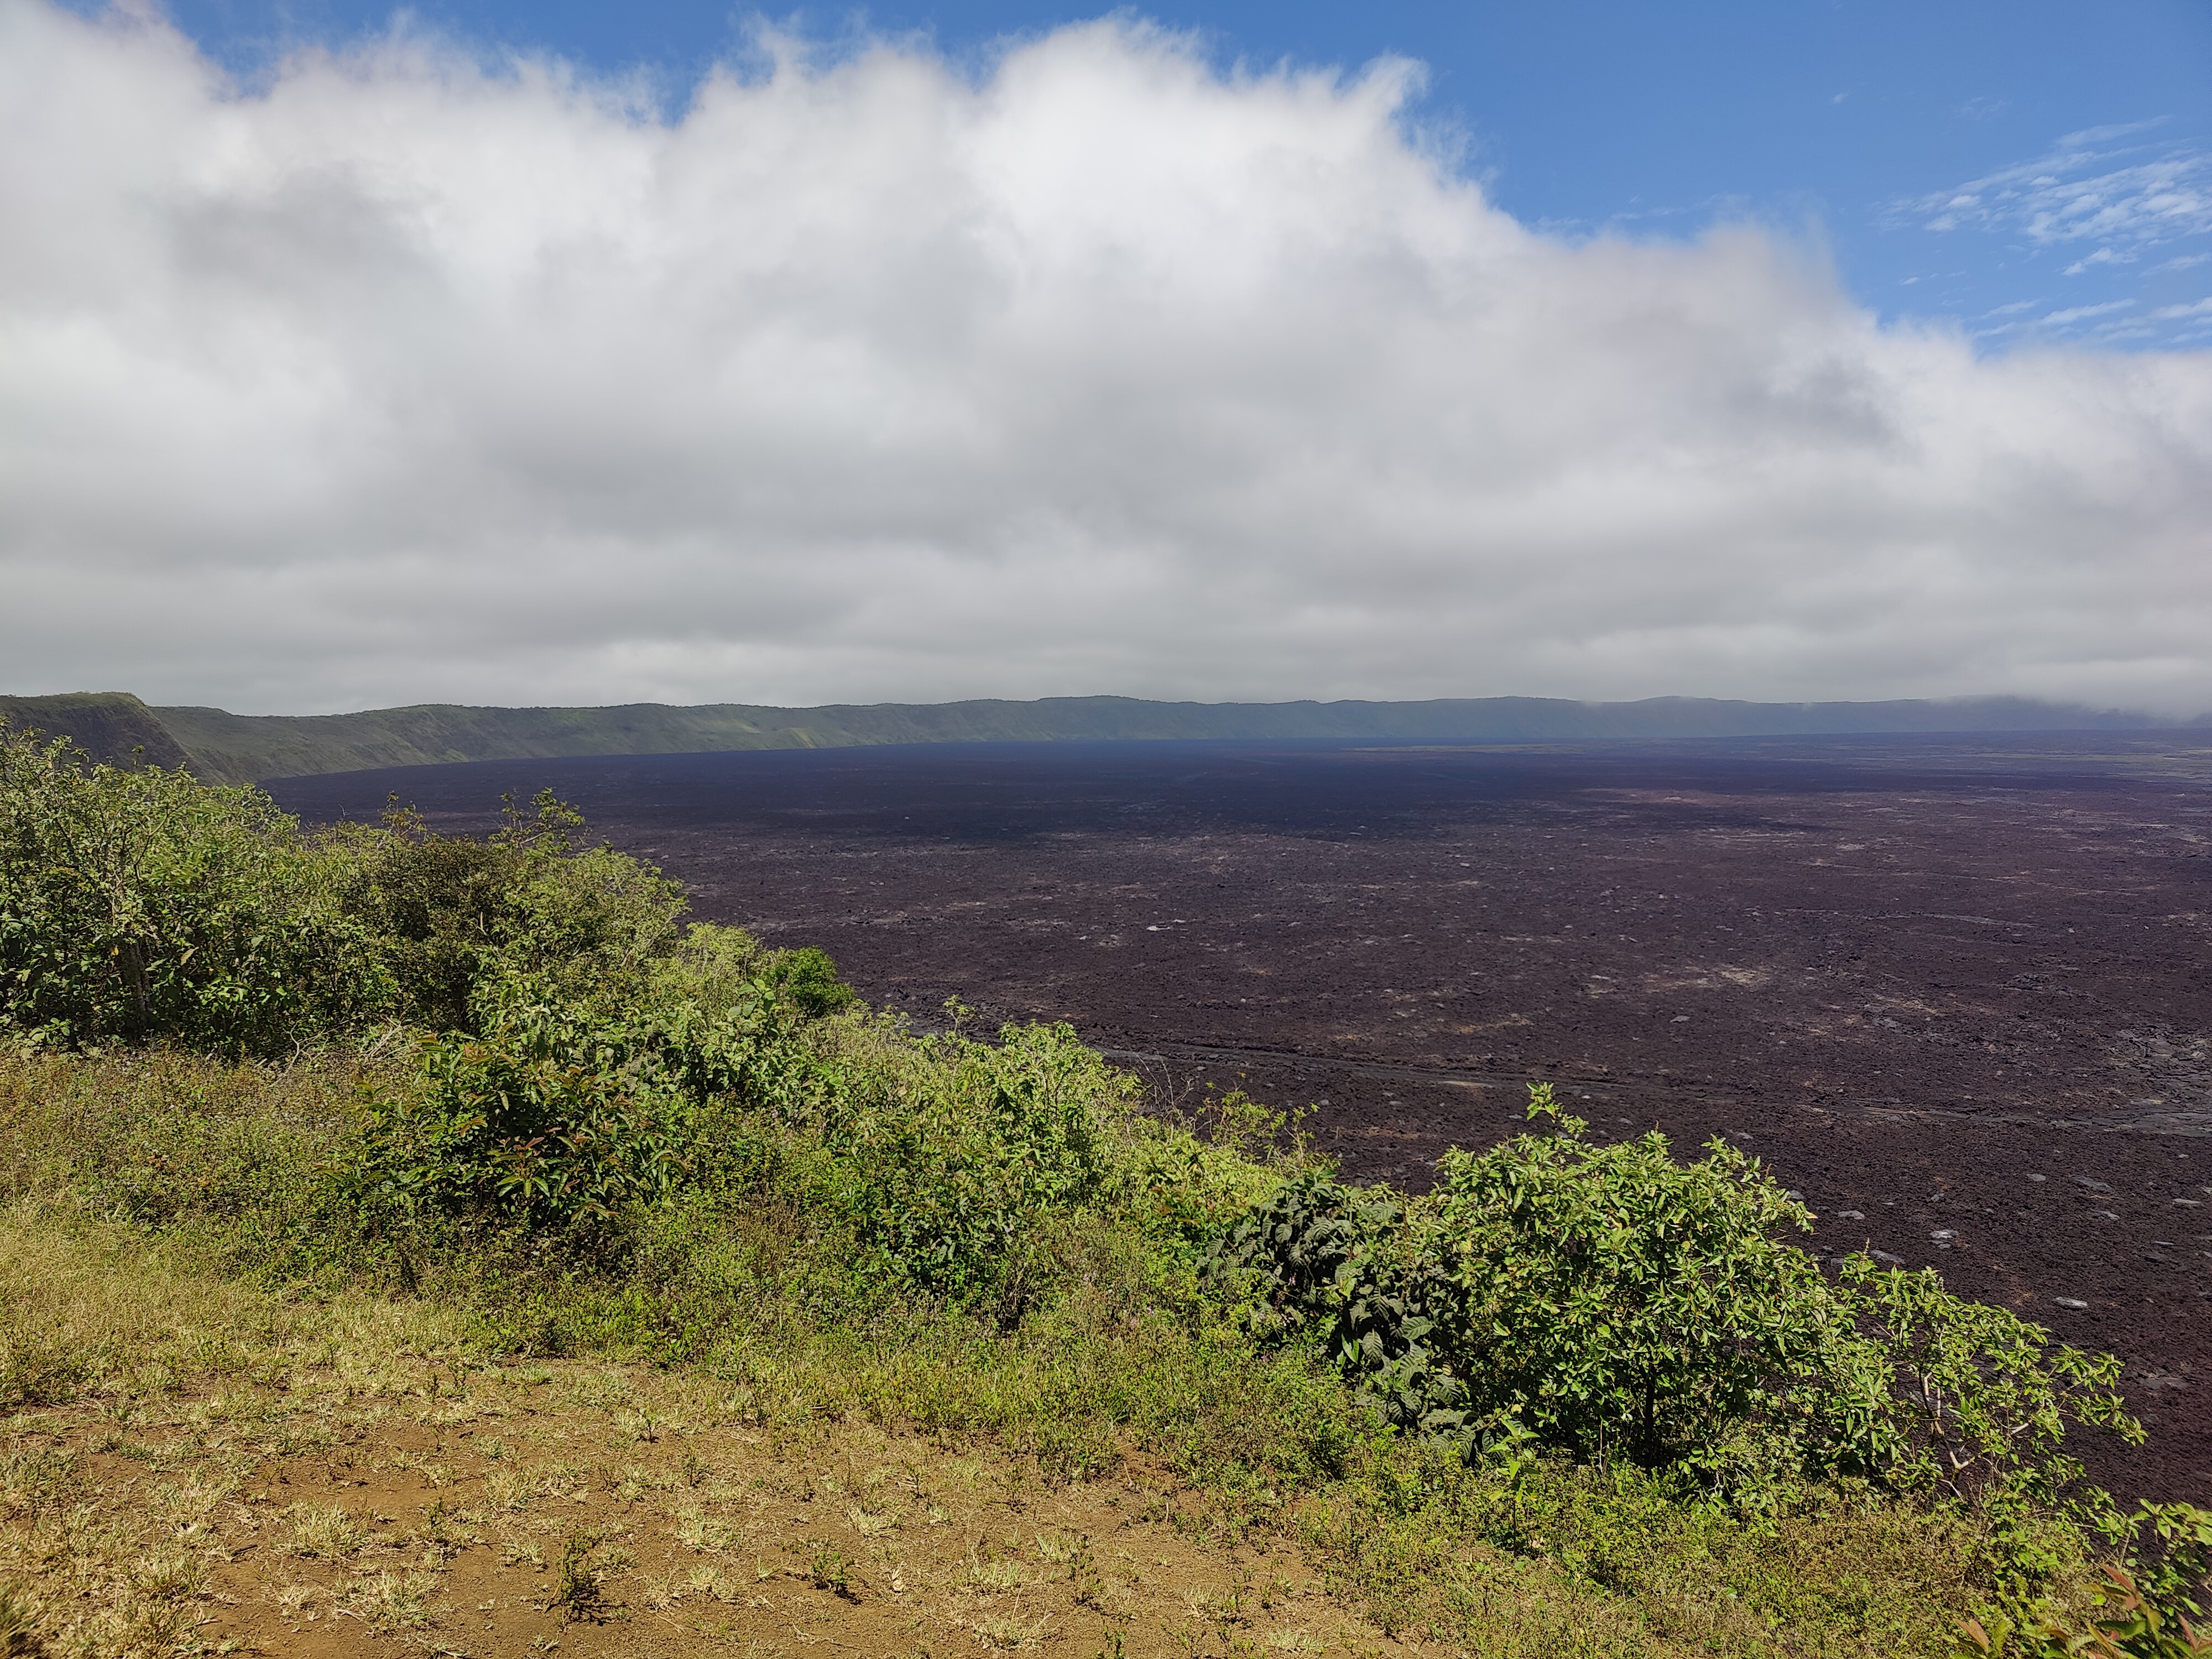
402 378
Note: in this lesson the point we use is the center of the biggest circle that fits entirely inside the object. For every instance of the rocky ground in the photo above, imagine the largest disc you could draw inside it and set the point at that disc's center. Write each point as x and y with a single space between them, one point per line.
1956 991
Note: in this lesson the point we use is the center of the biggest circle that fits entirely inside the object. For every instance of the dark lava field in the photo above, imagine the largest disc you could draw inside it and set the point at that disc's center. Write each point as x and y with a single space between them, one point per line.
1956 991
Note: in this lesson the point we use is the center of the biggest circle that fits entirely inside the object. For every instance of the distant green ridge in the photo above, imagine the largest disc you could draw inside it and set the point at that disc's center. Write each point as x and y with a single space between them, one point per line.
222 747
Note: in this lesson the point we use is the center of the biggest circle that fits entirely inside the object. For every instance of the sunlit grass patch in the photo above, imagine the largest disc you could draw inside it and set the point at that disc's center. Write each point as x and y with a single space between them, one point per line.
390 1601
324 1532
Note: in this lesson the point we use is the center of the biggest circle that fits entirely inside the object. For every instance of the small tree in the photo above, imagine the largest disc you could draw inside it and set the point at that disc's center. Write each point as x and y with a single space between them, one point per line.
453 914
1613 1304
1620 1305
137 903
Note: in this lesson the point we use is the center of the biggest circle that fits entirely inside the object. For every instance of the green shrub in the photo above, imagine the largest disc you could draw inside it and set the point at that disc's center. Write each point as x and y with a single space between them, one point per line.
1336 1266
138 904
949 1185
1619 1304
807 979
551 1115
2150 1604
450 914
1932 1392
1607 1303
956 1168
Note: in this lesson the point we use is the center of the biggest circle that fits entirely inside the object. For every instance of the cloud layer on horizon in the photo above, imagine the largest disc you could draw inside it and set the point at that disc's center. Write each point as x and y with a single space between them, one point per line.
404 378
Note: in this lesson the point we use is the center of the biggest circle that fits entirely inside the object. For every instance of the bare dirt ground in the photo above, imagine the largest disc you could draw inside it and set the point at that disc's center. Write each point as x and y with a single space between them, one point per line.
1956 991
325 1500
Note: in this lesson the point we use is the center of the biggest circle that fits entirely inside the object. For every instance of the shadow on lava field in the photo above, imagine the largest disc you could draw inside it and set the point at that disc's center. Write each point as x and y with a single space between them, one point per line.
1955 990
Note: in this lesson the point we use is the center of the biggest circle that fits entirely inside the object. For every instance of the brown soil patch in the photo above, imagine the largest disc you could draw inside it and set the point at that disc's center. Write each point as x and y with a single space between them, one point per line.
436 1513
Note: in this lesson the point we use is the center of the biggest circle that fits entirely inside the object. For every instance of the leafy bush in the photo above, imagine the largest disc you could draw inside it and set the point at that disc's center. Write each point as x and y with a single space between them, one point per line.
1616 1303
945 1164
807 979
1609 1303
952 1185
2148 1607
550 1116
137 904
1331 1264
451 914
2169 1551
1935 1393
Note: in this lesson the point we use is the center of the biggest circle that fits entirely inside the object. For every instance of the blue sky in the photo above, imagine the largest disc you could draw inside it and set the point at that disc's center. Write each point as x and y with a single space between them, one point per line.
2079 135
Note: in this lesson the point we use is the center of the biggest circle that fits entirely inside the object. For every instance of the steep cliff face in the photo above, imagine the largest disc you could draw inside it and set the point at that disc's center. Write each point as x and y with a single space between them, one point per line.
110 725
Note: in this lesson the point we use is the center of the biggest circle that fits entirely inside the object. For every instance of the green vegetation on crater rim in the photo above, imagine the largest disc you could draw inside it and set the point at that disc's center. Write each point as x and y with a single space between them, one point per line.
505 1075
221 747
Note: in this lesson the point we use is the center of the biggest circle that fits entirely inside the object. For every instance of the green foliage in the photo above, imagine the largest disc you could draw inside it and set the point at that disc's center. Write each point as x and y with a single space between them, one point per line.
951 1186
440 906
1609 1303
451 914
807 979
234 1156
550 1116
138 904
1301 1250
2169 1548
2141 1610
1932 1391
1331 1264
1616 1303
1442 1551
2148 1606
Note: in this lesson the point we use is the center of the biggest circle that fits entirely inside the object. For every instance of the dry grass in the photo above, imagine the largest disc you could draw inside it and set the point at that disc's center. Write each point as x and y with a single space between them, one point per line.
210 1470
192 1466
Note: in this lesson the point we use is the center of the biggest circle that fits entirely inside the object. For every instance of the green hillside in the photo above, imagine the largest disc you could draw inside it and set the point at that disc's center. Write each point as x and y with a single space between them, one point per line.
222 747
111 724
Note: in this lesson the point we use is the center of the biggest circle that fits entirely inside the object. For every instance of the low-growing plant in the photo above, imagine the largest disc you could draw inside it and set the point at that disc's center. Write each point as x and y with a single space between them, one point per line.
828 1569
2148 1605
21 1637
576 1588
2145 1608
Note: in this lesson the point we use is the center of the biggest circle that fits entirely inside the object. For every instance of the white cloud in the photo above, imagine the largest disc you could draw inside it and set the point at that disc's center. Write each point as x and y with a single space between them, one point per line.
2106 185
399 379
2103 255
2076 313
